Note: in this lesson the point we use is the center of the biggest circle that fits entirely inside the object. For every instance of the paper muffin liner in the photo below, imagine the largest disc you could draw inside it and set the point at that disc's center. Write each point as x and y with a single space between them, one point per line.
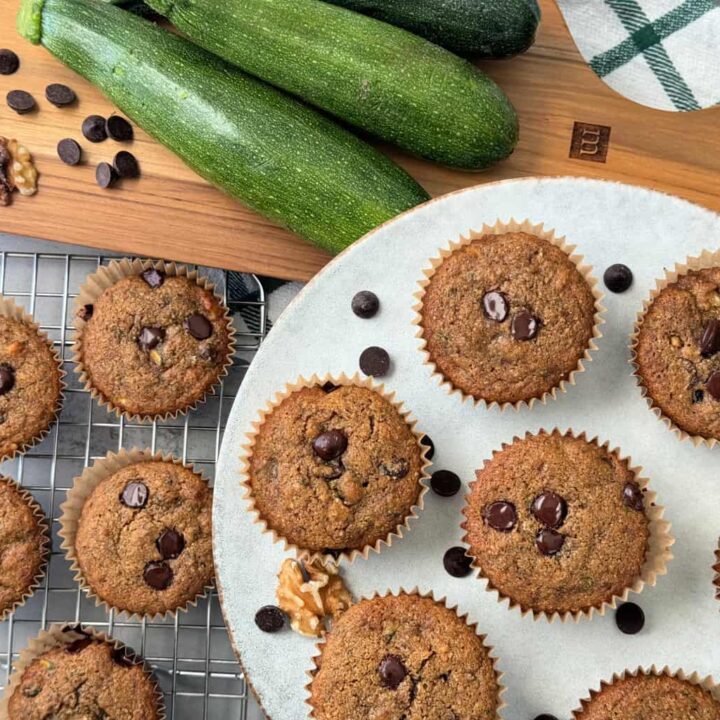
705 260
64 634
9 309
247 449
319 647
716 570
71 511
45 530
658 549
706 683
105 277
500 228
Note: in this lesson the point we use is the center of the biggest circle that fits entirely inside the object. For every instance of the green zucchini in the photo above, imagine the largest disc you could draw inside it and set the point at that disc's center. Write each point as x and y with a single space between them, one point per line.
264 148
380 78
471 28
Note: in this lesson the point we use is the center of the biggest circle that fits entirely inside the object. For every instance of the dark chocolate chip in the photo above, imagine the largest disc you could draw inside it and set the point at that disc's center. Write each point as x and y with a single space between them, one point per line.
126 165
546 717
457 563
336 469
7 379
199 326
135 495
710 341
375 362
150 338
118 128
633 497
78 645
153 277
60 95
549 542
69 151
365 304
501 516
630 618
618 278
330 444
550 509
124 657
170 544
334 552
158 575
496 306
397 468
445 483
428 443
524 326
9 62
208 353
20 101
329 387
93 128
713 385
698 396
270 619
392 671
86 312
105 175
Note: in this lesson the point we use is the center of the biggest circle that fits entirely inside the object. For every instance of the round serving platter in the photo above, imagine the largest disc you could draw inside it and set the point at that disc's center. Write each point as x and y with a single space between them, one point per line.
548 666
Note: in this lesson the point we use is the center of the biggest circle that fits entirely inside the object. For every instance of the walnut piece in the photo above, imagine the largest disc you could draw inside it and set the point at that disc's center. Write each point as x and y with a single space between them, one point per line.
311 594
22 173
5 186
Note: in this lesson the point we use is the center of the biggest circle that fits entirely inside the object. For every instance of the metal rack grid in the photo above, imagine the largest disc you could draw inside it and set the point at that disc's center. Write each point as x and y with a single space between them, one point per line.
191 654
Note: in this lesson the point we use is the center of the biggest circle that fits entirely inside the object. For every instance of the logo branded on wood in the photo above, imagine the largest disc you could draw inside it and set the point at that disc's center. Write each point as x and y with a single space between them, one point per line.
590 142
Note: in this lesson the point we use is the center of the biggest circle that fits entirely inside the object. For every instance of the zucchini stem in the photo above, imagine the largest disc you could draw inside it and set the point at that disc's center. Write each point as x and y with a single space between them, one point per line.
29 20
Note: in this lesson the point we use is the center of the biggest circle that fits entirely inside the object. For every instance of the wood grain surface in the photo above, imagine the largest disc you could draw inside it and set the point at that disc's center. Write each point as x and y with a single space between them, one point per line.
172 213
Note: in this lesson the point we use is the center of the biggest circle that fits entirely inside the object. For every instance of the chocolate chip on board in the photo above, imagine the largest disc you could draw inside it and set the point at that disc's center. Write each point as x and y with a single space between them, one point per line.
126 165
60 95
9 62
119 129
69 151
20 101
93 128
105 175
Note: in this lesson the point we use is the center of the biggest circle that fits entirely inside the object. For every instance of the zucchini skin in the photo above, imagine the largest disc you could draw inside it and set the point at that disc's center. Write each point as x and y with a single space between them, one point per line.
380 78
262 147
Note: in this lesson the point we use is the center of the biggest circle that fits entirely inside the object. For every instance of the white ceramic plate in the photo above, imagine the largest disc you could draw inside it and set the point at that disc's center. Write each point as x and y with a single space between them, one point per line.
548 667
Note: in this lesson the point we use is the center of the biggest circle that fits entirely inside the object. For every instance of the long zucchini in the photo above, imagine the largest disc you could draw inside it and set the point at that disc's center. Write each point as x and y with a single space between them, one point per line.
385 80
262 147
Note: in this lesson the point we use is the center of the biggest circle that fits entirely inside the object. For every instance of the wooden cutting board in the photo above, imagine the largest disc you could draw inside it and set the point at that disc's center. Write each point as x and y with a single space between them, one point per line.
571 124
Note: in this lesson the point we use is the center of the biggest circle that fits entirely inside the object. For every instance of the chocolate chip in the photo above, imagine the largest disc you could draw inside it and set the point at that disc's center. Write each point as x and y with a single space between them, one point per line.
633 497
135 495
457 563
78 645
170 544
199 326
618 278
118 128
549 542
713 385
158 575
546 717
334 552
93 128
150 338
445 483
86 312
9 62
392 671
153 277
60 95
123 657
330 444
208 353
496 306
550 509
7 379
710 341
20 101
501 516
126 165
630 618
375 362
428 443
105 175
69 151
524 326
365 304
329 387
270 619
397 468
698 396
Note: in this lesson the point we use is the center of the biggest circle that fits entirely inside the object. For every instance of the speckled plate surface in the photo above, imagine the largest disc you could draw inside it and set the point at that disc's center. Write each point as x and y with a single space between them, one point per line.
548 667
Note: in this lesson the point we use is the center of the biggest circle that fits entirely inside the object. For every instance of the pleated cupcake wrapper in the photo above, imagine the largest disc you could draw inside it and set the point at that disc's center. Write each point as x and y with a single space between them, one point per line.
500 228
656 560
716 569
706 683
105 277
251 437
705 260
319 647
9 309
45 530
71 510
64 634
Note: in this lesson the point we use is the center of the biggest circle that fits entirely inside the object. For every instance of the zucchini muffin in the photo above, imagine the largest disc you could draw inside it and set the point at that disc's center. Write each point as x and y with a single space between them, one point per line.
557 524
335 468
404 657
507 318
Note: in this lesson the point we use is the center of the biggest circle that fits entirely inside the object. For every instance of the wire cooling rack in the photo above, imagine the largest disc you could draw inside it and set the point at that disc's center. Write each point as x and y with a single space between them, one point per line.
191 655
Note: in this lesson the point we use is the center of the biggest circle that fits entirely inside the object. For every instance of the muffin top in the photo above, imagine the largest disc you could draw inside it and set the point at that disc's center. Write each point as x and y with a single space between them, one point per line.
659 697
29 384
678 352
557 523
507 317
335 468
403 657
84 679
144 538
23 545
154 344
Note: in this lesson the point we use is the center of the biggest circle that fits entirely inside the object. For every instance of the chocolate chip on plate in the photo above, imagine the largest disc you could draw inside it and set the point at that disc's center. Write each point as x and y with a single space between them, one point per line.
524 326
105 175
549 542
270 619
158 575
428 443
199 326
445 483
501 516
135 495
9 62
710 341
93 128
150 338
20 101
7 379
60 95
330 444
550 509
618 278
170 544
392 671
630 618
457 563
546 717
78 645
496 306
365 304
86 312
153 277
69 151
713 385
126 165
633 497
375 361
118 128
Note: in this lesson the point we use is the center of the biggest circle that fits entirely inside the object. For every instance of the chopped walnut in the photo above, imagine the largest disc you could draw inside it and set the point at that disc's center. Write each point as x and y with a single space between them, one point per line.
311 593
22 173
5 187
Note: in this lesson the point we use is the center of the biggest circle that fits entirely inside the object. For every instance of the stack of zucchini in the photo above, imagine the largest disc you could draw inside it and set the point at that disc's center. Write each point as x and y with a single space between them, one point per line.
231 99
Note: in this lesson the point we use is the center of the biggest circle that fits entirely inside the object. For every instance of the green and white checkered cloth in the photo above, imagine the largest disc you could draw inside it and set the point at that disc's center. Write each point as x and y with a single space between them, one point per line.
661 53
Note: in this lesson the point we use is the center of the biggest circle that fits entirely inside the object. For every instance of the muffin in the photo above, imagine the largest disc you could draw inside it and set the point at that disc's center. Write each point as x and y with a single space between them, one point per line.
140 535
507 317
334 468
559 524
404 656
651 695
151 342
23 545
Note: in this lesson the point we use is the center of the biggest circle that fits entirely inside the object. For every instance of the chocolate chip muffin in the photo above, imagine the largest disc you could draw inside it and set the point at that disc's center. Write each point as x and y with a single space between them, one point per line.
403 657
23 545
677 352
153 344
507 318
335 468
143 540
557 524
649 695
